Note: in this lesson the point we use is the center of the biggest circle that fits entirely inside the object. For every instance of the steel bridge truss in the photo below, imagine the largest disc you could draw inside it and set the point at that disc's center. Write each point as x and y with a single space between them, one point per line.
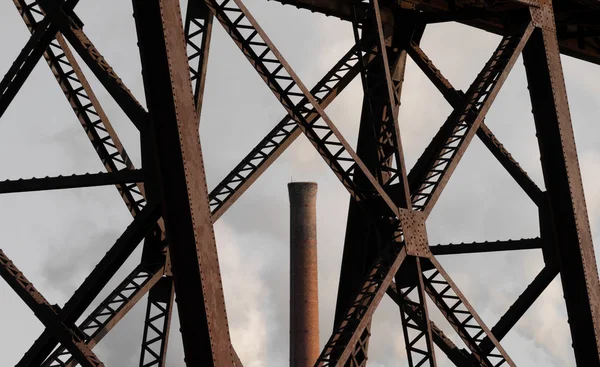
386 250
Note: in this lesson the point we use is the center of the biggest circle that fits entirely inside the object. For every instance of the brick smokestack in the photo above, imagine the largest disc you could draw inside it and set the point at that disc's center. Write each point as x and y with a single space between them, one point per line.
304 286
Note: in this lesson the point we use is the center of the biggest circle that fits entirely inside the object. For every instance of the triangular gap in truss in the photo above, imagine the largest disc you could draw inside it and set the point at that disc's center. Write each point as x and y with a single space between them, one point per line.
239 110
545 327
67 244
422 112
481 202
128 69
41 135
16 316
491 286
112 31
92 220
386 344
459 51
511 121
123 343
424 108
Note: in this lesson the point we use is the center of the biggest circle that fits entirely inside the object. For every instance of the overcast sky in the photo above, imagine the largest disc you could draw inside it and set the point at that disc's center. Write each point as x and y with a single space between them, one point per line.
57 237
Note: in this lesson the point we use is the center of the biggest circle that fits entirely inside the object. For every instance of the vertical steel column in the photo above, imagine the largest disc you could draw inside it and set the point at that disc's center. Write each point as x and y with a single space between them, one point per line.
181 177
362 240
304 285
560 167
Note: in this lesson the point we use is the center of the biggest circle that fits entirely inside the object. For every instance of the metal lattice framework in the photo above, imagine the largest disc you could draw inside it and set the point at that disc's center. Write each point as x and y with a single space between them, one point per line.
386 251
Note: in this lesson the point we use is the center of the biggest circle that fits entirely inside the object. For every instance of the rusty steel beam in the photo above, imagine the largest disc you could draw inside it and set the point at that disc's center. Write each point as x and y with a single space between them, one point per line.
183 193
462 316
280 137
346 340
73 181
493 19
341 344
435 167
460 357
198 33
361 239
157 324
46 313
380 98
110 311
417 334
143 277
568 212
86 107
491 246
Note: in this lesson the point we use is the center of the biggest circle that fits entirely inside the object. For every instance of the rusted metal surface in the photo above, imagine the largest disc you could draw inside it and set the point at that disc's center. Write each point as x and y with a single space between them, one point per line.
490 17
361 241
568 212
462 316
183 191
411 301
157 324
375 175
460 357
304 284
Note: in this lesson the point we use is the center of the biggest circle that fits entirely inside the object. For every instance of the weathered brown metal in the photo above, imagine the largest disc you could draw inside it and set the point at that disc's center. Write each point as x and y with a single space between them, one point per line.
174 84
304 284
568 212
490 16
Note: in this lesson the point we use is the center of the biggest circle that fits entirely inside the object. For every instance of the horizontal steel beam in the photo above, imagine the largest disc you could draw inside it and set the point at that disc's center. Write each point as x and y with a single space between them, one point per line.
71 182
480 247
341 9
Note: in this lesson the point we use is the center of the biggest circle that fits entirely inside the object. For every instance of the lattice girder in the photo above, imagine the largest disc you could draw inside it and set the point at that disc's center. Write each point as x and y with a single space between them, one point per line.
396 202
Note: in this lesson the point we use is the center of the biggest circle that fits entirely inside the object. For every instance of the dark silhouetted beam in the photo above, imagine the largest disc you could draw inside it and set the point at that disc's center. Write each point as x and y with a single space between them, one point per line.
173 135
521 305
97 64
157 324
46 313
25 62
94 283
576 259
460 357
480 247
71 182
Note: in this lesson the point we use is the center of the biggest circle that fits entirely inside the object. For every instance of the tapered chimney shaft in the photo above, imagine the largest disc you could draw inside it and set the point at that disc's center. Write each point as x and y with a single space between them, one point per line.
304 286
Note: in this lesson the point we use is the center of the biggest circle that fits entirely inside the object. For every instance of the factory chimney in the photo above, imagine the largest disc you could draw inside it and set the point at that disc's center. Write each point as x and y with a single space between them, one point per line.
304 298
